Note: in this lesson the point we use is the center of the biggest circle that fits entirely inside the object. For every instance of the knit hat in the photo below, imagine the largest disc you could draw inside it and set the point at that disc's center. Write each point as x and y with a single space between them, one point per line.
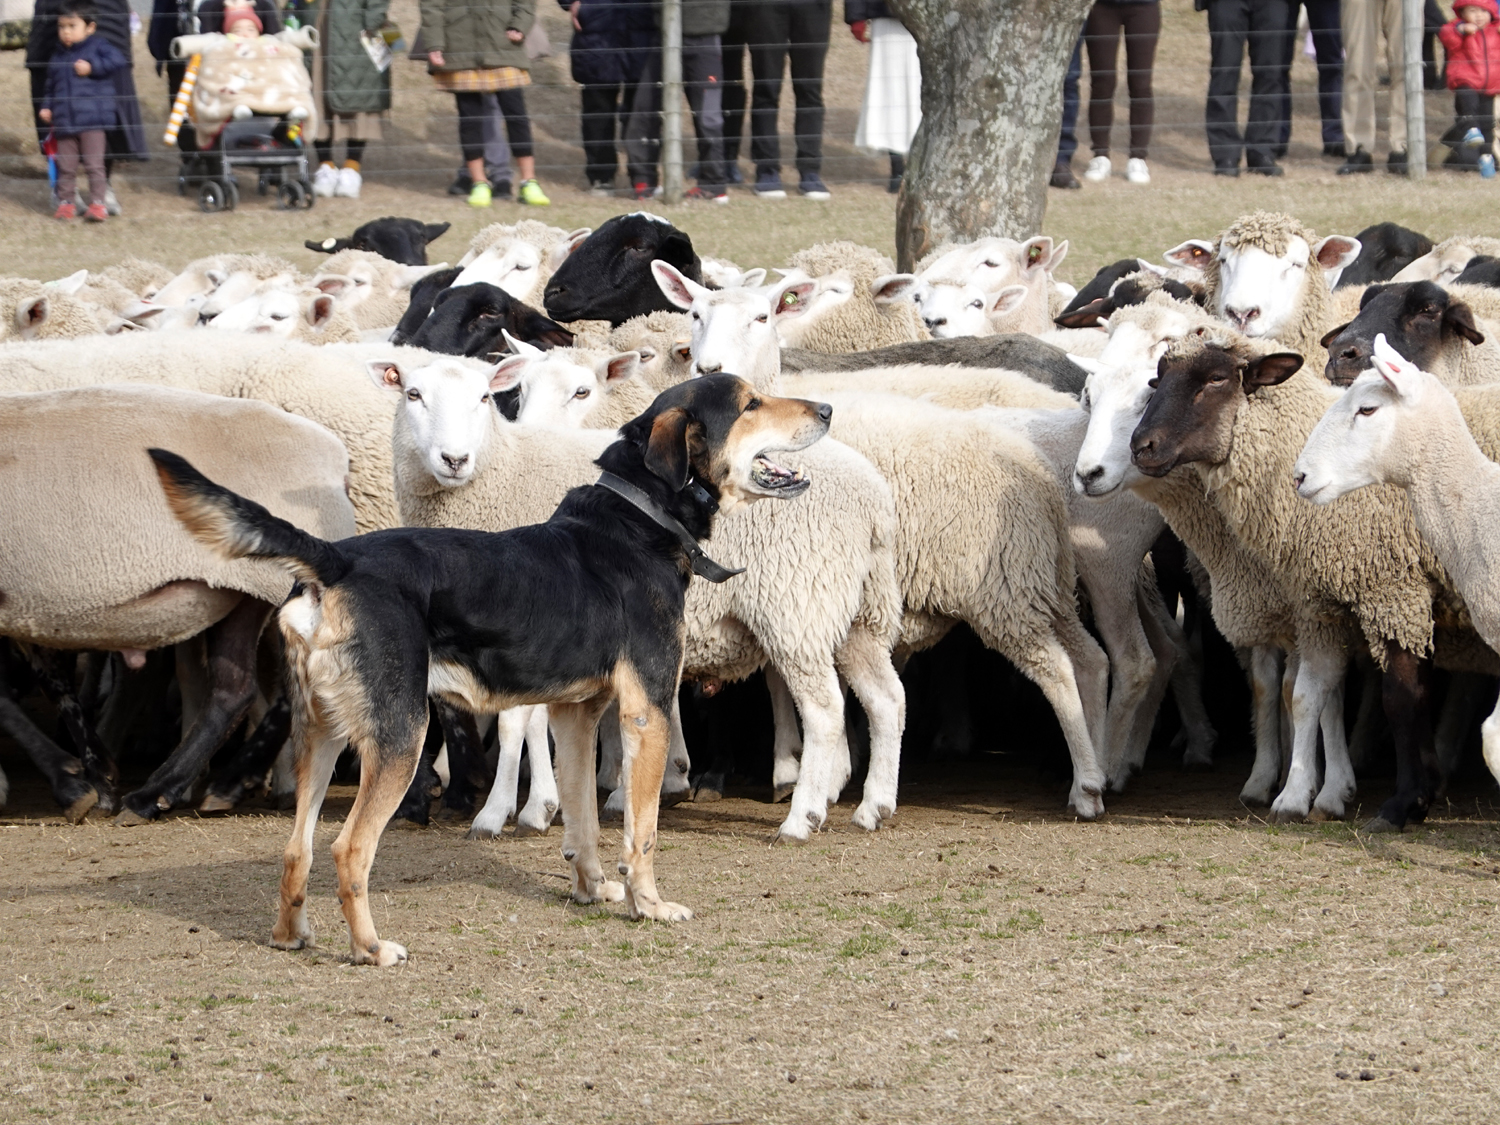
238 14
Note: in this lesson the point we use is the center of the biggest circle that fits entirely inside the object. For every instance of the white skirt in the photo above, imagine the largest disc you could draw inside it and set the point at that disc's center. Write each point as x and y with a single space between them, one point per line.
892 108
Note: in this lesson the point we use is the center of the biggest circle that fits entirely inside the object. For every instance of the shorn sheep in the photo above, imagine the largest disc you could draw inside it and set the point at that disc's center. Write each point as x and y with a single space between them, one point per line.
1400 425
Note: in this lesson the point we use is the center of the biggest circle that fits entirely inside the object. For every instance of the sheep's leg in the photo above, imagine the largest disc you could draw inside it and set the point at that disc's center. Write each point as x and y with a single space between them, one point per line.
608 779
1287 726
56 680
231 671
709 785
190 661
1490 735
284 779
1184 660
4 789
315 752
1404 694
786 748
1369 722
1132 670
1318 669
64 773
510 734
1466 692
1338 772
574 727
467 773
825 756
415 807
865 662
1265 721
542 801
247 770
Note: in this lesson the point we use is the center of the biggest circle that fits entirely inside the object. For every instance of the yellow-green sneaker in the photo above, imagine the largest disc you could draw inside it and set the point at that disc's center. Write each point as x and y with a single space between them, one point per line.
479 195
531 195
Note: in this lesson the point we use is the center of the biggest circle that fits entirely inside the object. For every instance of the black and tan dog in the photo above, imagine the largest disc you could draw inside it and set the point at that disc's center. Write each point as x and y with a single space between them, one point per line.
592 611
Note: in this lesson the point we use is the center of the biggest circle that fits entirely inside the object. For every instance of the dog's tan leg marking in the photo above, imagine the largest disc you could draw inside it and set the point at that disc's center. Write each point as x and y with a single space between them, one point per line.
316 749
573 727
644 736
385 775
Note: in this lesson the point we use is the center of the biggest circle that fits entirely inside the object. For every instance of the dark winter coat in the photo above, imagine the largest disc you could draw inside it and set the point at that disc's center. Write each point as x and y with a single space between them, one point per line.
863 11
1473 60
471 33
598 52
126 135
351 84
81 103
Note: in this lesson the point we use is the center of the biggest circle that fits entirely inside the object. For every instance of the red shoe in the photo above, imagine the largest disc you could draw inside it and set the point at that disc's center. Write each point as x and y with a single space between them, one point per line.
96 213
643 191
65 211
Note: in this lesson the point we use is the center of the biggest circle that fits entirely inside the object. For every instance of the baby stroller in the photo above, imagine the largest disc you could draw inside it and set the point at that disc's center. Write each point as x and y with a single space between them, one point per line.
271 146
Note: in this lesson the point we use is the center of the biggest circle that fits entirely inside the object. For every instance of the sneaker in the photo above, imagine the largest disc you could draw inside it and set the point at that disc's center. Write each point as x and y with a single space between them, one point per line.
706 195
1098 170
1395 163
811 186
733 174
1334 150
461 184
642 191
1062 177
111 204
1136 171
1264 167
531 195
1474 138
1359 161
480 195
768 185
602 191
1487 166
347 183
325 180
65 211
97 214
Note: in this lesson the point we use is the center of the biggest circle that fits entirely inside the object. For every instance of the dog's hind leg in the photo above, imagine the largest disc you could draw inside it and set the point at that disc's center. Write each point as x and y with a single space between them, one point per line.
510 733
542 802
865 661
574 725
316 749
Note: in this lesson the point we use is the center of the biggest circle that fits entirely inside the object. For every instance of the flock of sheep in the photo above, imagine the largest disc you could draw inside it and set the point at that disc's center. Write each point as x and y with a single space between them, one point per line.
1004 450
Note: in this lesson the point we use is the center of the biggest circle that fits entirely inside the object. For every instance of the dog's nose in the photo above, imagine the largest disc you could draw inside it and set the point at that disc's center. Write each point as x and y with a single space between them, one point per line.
824 412
455 463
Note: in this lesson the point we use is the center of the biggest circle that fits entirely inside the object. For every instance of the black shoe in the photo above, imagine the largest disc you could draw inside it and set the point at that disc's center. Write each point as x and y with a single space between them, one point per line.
461 184
732 172
1267 168
1062 177
1359 161
1230 170
1334 151
1395 163
500 189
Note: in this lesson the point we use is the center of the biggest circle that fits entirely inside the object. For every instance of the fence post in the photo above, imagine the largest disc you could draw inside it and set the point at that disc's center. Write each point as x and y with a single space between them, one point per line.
1416 110
671 101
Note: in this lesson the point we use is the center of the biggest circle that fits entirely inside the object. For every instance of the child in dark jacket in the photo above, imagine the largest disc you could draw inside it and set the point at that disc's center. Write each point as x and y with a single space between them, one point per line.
1472 43
79 104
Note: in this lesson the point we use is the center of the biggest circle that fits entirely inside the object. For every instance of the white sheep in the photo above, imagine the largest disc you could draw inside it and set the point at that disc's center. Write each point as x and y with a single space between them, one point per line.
825 303
1445 261
519 258
987 286
373 290
304 314
35 310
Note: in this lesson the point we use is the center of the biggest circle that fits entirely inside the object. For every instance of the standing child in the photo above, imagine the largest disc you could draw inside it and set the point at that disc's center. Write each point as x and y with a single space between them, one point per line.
1472 43
79 104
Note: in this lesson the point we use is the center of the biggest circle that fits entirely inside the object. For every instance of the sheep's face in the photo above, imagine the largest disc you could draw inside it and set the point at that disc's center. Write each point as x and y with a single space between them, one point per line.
447 409
276 312
1363 438
950 309
1119 386
512 264
557 392
731 329
1259 293
1440 266
1417 319
236 287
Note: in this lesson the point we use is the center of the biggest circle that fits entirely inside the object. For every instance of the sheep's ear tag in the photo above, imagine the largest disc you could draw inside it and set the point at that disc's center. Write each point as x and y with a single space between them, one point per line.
386 374
330 243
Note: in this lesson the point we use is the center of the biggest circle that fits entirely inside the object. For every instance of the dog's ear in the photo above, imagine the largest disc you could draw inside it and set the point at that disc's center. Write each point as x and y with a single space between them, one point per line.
666 448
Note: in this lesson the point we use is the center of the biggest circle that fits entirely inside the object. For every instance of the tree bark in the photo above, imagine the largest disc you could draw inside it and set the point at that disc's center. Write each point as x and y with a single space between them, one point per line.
992 76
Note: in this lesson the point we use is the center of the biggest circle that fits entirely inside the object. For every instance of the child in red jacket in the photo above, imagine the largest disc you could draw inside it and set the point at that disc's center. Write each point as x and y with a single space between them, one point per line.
1472 43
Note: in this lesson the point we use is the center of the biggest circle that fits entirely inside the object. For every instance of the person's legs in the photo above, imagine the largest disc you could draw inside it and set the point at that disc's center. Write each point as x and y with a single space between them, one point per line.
91 146
518 130
354 154
1142 27
471 112
598 122
496 149
1067 141
1268 79
769 33
1228 25
807 49
1357 22
1101 36
702 75
1393 26
1328 42
68 149
1284 103
734 96
643 128
1467 109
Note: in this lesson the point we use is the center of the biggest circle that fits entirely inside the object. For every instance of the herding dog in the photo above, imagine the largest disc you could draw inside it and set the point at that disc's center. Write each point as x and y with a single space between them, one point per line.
591 611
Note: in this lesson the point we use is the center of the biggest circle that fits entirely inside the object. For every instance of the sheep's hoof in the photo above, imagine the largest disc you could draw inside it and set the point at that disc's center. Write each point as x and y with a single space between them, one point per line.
1380 824
129 818
285 801
477 833
214 802
1287 816
447 815
524 829
675 797
1197 765
710 788
783 792
79 807
608 815
406 822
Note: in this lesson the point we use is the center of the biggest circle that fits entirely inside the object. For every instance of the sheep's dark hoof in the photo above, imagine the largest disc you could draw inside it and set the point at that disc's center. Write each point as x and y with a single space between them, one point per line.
449 815
215 803
608 815
129 818
781 793
1284 817
80 805
1197 766
676 797
710 787
1380 824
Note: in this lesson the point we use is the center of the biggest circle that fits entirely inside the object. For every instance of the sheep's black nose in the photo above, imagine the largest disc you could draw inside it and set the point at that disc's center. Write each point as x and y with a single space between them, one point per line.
936 322
824 412
1094 474
455 463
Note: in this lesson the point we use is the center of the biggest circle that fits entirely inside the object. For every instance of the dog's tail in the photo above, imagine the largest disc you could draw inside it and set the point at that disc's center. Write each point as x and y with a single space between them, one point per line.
237 528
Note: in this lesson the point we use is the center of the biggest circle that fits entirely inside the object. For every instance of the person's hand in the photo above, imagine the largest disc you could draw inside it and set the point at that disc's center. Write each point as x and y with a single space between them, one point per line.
1467 29
514 36
45 115
861 30
435 58
82 68
573 11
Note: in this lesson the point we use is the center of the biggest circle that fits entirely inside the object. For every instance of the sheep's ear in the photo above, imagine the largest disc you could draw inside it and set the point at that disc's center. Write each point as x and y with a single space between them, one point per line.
559 253
893 287
618 368
793 300
1328 338
386 374
1152 267
508 372
334 284
1336 252
320 311
1037 254
1459 318
70 284
31 314
217 277
1270 370
141 310
435 231
646 352
467 258
1008 300
679 289
521 347
1090 315
1088 363
326 245
751 278
683 350
1195 254
1394 368
666 448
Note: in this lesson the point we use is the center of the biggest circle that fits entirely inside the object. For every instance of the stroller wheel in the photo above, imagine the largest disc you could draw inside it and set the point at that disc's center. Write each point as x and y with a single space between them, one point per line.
211 197
292 196
232 196
263 183
182 185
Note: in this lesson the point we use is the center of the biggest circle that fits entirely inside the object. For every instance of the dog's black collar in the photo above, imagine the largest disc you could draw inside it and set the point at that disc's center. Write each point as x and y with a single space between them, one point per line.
703 566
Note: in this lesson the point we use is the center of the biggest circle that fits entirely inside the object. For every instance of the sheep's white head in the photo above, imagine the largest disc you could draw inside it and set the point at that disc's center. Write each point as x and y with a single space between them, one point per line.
237 285
1116 393
559 392
965 291
359 280
447 409
732 329
1261 293
1358 441
1440 265
276 312
517 265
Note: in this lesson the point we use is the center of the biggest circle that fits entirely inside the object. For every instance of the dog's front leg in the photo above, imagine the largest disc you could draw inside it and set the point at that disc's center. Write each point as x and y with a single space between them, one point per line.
316 751
573 727
644 734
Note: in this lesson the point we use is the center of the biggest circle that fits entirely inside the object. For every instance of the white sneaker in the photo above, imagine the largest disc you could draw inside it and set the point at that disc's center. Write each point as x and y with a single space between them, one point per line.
348 183
325 180
1136 171
1098 170
111 204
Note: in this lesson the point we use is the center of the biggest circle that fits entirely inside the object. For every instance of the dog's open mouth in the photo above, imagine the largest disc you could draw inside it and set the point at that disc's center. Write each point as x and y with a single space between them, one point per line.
768 475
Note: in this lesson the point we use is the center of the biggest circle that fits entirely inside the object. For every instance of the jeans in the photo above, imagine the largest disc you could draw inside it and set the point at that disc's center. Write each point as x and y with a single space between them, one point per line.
1067 140
1328 42
603 117
1232 26
781 32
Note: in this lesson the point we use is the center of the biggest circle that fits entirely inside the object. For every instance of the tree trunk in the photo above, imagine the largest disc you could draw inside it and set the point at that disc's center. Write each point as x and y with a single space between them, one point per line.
992 76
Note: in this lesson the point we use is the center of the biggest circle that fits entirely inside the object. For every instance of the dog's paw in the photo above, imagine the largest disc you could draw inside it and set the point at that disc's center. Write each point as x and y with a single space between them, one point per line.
660 911
383 954
289 942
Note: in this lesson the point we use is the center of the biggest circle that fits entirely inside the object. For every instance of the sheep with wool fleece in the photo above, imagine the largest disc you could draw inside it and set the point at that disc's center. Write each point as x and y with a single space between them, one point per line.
207 286
573 389
519 258
828 287
374 290
36 310
307 315
1433 325
981 529
812 622
980 288
141 276
1402 426
662 338
1445 261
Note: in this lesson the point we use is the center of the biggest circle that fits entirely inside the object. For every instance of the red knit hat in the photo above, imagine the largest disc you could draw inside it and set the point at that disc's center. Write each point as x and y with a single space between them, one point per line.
239 14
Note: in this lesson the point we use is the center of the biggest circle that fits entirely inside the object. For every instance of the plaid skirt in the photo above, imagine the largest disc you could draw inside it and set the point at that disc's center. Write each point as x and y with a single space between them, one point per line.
485 81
